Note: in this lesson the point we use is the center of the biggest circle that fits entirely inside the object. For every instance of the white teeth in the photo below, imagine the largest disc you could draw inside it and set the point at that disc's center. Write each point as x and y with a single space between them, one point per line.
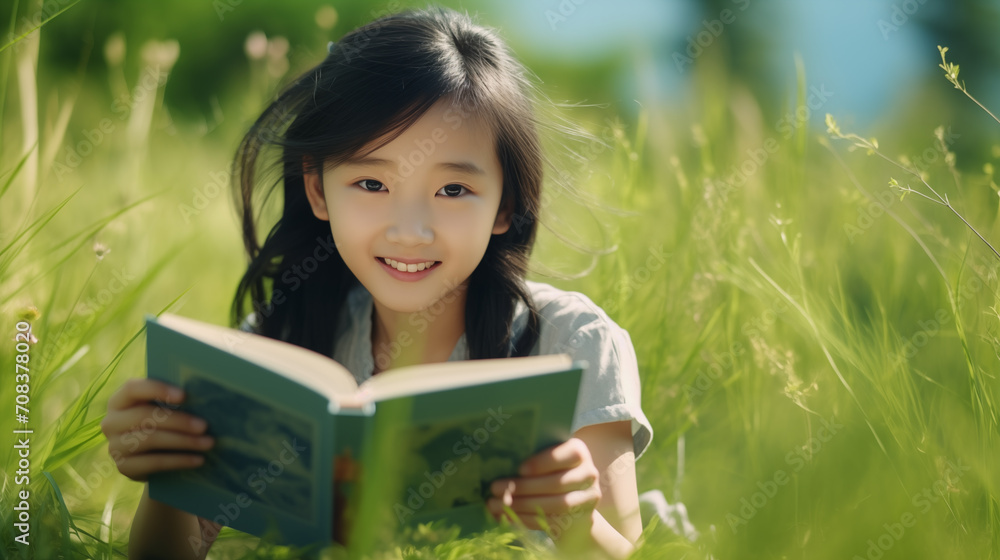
402 267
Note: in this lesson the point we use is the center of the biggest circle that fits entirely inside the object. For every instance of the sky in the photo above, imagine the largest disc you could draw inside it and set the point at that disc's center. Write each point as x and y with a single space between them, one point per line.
854 47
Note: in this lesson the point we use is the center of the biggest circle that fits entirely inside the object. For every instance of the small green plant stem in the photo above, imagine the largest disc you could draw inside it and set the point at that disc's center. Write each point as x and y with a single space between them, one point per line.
951 74
942 200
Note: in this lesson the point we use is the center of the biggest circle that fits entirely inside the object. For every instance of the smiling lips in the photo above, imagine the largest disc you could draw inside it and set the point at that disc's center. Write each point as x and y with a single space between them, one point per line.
405 267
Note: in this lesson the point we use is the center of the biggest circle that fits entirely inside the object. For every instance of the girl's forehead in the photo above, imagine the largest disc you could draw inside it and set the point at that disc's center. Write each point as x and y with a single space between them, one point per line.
439 137
441 124
455 115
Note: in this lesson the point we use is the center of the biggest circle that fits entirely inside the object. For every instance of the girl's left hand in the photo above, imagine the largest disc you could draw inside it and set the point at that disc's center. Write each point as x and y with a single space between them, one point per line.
561 480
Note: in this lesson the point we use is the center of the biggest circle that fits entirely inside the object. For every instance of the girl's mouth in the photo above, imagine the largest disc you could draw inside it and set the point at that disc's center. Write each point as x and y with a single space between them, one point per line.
408 268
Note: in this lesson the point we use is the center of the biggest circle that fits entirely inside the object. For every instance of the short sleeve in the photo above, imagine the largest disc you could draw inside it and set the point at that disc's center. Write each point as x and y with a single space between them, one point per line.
610 390
247 324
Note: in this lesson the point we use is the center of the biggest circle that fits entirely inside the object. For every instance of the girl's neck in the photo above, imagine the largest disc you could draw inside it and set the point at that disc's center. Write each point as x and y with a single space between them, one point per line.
422 337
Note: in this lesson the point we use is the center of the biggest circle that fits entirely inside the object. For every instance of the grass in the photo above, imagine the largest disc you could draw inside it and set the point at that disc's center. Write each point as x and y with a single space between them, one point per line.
818 358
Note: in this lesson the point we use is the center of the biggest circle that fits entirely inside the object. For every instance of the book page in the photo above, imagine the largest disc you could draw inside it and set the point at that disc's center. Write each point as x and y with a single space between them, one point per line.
311 369
434 454
429 378
263 448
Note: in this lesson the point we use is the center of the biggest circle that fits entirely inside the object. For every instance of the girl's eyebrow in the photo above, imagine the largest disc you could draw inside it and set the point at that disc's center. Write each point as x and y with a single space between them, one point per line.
460 166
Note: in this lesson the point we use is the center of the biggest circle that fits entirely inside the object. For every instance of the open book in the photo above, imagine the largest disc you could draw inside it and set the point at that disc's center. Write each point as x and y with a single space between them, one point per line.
293 432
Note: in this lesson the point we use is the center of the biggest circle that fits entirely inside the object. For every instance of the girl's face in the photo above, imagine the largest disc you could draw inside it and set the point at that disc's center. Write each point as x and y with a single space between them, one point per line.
430 195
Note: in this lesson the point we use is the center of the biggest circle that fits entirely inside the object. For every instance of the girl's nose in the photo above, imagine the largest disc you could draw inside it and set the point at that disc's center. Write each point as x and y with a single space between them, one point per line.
411 226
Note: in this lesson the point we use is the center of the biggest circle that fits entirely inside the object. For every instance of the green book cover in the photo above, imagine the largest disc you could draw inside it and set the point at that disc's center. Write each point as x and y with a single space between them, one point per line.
295 435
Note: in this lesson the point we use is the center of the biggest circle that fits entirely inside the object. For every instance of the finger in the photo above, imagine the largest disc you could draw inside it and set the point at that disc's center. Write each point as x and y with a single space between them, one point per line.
148 418
137 390
578 478
137 443
566 455
139 467
550 505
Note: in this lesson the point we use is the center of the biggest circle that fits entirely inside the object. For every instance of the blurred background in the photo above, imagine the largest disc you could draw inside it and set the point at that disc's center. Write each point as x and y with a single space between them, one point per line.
818 352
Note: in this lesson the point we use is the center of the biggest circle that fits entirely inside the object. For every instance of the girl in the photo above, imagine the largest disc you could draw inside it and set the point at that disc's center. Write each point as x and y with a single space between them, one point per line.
412 175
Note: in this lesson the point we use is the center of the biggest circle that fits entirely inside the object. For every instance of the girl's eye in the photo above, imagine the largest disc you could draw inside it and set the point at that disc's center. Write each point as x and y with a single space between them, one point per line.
450 190
370 181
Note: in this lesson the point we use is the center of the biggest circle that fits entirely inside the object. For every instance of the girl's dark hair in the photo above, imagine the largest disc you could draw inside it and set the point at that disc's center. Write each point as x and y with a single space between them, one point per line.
378 80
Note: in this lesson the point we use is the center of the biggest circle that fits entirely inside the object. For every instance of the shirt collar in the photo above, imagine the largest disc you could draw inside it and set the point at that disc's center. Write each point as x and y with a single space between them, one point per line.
360 361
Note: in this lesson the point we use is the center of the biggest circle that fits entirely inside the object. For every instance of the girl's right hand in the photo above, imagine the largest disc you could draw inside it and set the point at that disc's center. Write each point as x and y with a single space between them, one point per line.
144 437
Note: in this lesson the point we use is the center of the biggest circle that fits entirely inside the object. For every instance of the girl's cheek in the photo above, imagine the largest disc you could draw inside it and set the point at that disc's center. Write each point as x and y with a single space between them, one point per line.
349 230
350 214
472 220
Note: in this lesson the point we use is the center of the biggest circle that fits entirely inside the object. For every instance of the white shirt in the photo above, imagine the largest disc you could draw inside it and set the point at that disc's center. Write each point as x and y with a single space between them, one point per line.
569 323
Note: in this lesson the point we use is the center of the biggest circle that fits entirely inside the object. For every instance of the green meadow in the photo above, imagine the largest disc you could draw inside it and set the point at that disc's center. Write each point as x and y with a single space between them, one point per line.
813 307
